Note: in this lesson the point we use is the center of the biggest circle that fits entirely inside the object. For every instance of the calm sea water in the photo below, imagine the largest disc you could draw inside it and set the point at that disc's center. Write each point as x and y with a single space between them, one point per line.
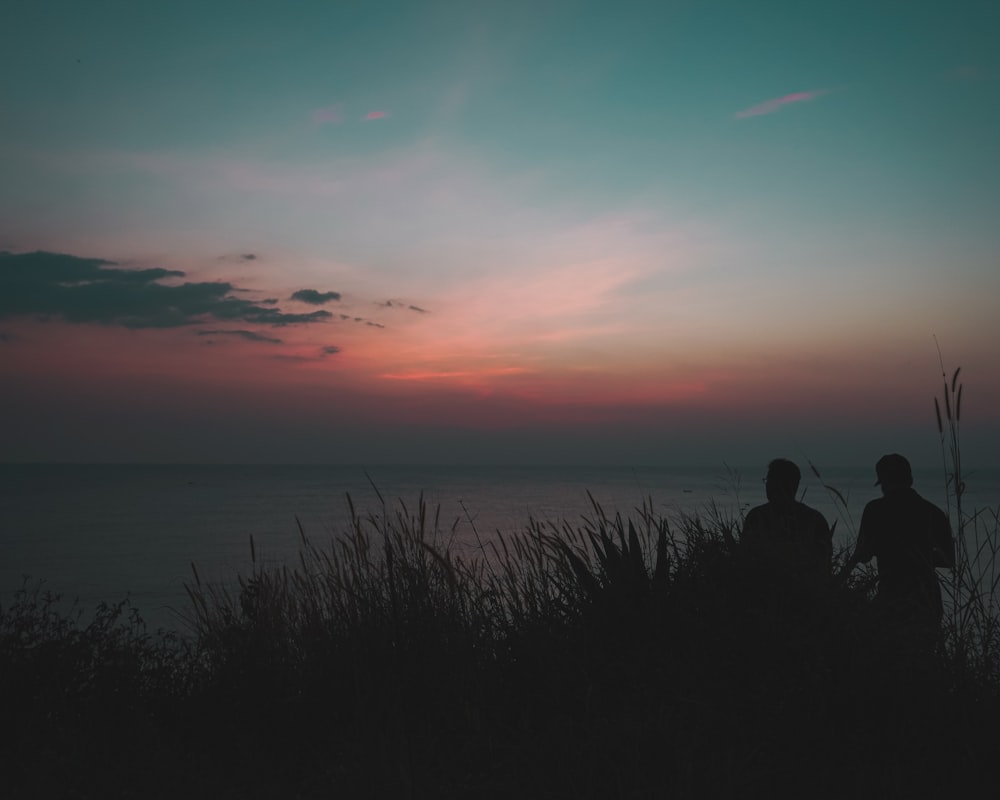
109 531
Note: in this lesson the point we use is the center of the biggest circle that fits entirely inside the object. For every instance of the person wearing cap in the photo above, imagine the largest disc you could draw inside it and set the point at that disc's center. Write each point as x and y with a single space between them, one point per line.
793 536
909 537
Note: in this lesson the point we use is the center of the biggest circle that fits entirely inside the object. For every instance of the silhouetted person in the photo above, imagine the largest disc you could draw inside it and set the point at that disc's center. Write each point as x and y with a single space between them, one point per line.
909 537
794 537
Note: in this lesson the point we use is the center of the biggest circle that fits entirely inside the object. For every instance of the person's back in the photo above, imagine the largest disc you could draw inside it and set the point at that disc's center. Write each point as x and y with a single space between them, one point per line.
792 536
910 537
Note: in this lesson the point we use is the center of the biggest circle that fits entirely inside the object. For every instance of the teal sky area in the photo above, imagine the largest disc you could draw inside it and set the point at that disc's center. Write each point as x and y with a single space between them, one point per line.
497 232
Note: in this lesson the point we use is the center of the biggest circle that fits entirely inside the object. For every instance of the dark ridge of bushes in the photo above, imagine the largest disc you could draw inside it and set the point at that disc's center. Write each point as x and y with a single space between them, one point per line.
614 658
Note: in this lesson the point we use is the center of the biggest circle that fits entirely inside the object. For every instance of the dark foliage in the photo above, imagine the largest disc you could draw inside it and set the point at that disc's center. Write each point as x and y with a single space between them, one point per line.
616 659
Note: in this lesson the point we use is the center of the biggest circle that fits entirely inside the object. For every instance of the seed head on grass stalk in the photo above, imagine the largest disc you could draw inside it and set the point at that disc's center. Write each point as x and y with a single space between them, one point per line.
974 614
840 501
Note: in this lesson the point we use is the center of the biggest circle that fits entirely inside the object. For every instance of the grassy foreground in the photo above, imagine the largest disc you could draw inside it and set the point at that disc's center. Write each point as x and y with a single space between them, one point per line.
611 658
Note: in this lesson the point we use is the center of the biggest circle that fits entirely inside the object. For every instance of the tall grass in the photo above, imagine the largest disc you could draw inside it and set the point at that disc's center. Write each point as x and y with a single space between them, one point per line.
618 655
623 655
973 612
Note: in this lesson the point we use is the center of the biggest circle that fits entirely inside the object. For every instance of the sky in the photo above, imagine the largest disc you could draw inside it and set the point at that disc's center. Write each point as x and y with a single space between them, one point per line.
497 232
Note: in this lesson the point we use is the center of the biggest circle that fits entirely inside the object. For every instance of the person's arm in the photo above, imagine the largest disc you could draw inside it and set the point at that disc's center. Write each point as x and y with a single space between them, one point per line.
827 534
863 551
823 540
944 542
751 526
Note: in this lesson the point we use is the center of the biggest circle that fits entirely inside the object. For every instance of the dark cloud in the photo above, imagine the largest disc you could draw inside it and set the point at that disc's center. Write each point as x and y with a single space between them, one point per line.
7 337
360 320
239 257
250 336
331 350
248 256
401 304
93 290
313 297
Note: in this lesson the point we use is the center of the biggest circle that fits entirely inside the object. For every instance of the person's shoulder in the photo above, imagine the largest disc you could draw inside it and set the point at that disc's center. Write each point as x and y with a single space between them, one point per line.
875 510
804 509
875 504
758 511
929 507
813 514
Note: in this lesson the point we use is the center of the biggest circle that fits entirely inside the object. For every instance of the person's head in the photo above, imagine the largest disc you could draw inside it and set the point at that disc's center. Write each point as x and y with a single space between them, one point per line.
893 472
782 481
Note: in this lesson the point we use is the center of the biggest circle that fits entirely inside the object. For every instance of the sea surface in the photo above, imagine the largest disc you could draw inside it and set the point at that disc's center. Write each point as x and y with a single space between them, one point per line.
106 532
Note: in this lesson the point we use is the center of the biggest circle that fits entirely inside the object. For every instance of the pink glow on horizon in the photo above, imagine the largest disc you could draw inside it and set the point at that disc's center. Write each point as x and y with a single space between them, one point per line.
430 375
376 115
770 106
486 390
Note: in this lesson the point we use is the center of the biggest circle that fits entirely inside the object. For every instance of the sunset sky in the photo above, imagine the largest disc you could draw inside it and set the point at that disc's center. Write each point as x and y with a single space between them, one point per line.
539 232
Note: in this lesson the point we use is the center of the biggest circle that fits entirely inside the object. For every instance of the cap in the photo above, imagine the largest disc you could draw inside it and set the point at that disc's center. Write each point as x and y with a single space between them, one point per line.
894 469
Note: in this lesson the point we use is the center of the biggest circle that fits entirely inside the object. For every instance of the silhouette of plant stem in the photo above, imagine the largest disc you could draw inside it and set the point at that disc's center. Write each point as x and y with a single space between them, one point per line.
973 632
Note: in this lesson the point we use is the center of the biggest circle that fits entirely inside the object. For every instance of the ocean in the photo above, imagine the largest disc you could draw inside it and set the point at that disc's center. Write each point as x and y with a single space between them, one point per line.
105 532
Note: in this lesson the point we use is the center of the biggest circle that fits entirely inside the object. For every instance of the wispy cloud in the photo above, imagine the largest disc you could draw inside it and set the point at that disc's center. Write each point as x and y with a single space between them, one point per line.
571 301
334 115
250 336
420 168
300 358
401 304
425 375
361 320
770 106
966 72
294 359
328 115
